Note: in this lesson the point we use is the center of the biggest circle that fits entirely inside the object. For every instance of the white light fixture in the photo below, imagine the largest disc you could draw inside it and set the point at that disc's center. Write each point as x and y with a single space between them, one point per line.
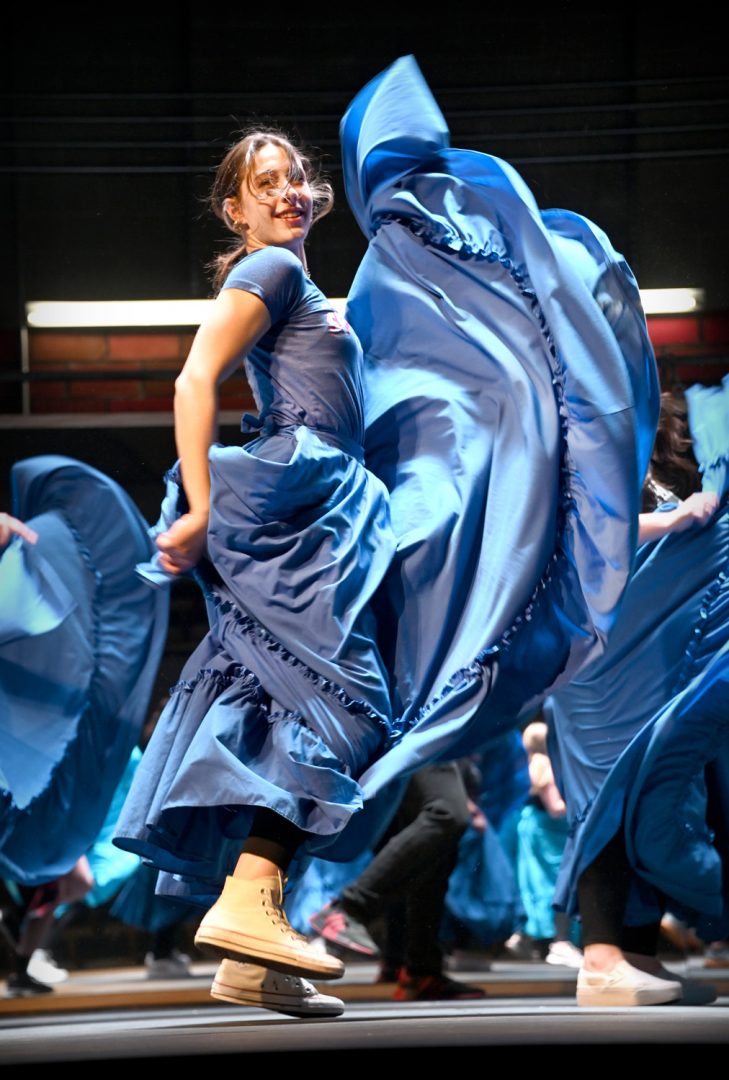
671 301
113 314
60 314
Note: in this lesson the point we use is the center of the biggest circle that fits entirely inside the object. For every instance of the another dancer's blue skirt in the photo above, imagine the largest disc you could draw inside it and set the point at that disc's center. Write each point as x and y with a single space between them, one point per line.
80 642
641 738
511 403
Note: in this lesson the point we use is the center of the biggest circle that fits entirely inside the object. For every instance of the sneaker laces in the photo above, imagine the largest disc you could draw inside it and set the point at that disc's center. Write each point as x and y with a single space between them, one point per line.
274 910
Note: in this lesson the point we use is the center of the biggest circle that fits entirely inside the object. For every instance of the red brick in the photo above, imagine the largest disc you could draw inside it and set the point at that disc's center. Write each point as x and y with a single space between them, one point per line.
164 363
61 345
707 374
161 405
674 330
88 367
715 329
160 388
102 389
86 405
147 347
45 395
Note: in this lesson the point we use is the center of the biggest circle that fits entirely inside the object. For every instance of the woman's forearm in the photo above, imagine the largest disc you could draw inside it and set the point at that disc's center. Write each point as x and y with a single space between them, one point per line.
196 425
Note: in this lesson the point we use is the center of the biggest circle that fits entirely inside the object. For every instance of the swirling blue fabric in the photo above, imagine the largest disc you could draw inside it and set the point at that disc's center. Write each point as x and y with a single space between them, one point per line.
511 398
80 642
286 700
640 739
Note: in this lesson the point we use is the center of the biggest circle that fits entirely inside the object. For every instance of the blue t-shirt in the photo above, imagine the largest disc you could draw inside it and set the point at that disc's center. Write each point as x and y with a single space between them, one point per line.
307 368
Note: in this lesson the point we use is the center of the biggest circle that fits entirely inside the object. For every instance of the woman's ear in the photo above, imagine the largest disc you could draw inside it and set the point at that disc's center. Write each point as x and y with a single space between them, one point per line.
232 214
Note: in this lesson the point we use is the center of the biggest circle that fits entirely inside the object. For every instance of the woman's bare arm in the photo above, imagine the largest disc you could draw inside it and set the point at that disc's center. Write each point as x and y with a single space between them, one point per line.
235 324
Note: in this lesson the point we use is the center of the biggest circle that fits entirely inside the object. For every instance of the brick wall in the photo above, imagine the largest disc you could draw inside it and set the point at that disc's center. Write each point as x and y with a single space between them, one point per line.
114 371
134 371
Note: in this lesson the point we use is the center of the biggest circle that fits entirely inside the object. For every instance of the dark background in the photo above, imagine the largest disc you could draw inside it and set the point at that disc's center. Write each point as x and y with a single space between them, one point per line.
112 122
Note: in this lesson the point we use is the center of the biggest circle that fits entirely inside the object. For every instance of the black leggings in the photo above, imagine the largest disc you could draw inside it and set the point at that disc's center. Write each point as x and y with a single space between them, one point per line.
273 837
603 893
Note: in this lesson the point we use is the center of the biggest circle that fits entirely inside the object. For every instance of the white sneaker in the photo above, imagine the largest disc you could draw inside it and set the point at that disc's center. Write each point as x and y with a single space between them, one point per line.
250 984
624 985
44 968
564 954
248 923
174 966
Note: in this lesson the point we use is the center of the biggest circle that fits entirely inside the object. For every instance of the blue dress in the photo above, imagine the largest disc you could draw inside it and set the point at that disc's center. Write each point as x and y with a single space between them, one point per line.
641 738
80 642
286 700
511 400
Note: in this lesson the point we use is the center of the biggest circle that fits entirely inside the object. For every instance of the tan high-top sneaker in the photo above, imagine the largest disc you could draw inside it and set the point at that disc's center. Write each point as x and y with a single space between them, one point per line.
248 922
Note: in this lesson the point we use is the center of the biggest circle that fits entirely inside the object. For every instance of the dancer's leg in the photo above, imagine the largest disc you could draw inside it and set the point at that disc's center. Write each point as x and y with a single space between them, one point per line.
608 976
248 921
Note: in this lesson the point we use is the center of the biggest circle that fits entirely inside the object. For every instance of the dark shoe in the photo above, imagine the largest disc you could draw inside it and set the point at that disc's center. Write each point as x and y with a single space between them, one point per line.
26 986
434 988
335 925
388 973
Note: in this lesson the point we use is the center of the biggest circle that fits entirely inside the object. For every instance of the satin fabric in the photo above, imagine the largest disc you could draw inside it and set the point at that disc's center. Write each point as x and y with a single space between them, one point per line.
80 642
640 739
512 398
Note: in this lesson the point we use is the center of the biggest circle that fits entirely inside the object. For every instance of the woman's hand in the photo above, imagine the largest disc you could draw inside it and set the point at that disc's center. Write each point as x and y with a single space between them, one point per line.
183 545
10 526
697 511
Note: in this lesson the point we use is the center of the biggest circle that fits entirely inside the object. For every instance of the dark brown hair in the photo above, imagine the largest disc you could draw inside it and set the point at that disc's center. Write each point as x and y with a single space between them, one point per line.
673 464
235 169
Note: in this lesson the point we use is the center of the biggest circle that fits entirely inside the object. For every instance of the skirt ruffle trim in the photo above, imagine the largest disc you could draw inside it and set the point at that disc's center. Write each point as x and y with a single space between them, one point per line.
453 242
251 627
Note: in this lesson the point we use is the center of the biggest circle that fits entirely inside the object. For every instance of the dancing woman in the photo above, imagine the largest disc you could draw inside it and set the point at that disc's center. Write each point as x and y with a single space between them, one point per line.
502 462
286 700
641 737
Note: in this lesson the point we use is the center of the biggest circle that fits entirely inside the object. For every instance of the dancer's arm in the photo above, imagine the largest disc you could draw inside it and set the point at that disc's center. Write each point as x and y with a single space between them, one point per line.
698 509
10 526
237 321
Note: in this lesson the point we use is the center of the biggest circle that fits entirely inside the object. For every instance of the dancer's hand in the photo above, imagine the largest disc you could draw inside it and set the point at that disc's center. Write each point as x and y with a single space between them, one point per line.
696 511
10 526
183 545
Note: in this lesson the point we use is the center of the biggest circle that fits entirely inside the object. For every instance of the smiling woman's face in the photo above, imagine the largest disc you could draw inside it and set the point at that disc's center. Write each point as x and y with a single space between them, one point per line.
274 204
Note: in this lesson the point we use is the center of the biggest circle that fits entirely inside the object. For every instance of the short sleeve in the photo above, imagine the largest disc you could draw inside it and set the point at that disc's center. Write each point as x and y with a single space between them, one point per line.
275 275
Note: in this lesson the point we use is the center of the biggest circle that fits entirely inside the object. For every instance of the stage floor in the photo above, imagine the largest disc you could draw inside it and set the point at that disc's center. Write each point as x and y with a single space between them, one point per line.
103 1016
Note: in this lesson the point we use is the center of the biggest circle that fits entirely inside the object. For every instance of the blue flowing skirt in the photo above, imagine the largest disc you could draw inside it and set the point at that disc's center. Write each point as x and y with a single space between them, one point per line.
80 642
285 701
640 740
511 401
512 398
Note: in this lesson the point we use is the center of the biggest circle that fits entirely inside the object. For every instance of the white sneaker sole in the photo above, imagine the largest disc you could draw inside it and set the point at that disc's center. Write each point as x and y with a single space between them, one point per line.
601 996
318 1005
